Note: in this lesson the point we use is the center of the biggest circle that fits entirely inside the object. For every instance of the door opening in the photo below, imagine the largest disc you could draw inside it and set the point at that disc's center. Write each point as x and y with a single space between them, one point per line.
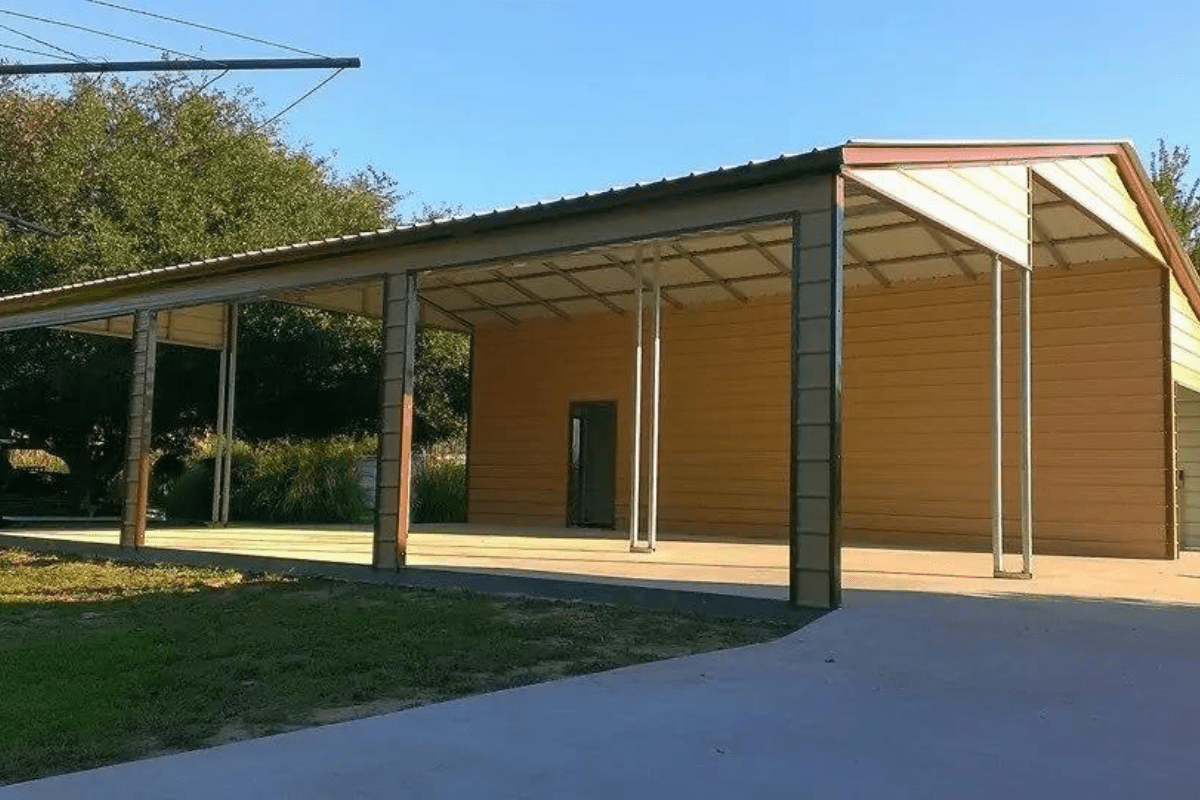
592 465
1187 462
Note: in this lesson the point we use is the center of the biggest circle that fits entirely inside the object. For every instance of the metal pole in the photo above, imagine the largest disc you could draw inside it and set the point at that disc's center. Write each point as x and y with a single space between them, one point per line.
219 454
635 497
187 65
997 418
234 308
1026 274
655 392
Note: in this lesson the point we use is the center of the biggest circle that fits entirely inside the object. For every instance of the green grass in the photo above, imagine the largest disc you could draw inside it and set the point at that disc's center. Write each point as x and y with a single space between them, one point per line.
103 662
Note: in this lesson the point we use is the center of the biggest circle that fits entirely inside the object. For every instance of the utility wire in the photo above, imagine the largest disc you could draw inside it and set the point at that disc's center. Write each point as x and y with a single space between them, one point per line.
211 81
60 23
44 43
299 100
34 52
204 27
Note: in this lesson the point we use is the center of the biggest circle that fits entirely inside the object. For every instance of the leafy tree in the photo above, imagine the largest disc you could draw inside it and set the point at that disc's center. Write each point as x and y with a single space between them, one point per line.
136 176
441 394
1169 173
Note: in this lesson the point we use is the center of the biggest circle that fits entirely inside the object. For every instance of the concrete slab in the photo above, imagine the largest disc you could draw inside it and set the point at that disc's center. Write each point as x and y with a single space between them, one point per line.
898 695
754 569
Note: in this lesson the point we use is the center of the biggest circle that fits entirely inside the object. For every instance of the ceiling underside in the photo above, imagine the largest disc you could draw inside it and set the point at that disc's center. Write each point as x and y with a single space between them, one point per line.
887 241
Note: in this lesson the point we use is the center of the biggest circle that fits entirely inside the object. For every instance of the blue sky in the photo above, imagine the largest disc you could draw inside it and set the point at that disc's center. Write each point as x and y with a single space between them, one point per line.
485 104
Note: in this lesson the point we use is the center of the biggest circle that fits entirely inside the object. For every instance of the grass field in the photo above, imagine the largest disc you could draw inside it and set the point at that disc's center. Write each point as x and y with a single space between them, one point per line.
103 662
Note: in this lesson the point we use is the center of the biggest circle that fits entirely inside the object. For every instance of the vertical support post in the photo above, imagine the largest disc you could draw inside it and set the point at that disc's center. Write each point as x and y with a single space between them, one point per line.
655 402
231 394
137 434
816 394
219 428
1026 423
394 473
635 445
997 416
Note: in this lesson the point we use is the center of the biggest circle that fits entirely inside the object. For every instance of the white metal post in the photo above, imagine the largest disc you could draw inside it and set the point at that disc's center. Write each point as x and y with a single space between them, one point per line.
1026 422
227 469
635 496
655 397
219 455
997 417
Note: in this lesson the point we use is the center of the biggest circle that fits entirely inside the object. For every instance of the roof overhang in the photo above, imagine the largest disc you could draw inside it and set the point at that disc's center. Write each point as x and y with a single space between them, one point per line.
719 234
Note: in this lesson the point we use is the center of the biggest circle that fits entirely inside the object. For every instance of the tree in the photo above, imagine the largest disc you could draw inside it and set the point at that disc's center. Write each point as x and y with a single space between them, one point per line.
1169 173
136 176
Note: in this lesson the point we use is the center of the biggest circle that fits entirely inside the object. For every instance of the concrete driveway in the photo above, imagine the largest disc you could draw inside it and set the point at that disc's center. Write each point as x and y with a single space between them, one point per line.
899 694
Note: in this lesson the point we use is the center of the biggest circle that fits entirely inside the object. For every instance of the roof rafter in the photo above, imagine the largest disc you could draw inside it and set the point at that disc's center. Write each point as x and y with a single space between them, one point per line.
765 253
699 264
558 312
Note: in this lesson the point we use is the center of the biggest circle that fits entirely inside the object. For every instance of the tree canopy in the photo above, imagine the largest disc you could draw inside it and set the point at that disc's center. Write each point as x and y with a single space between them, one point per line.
1181 195
141 175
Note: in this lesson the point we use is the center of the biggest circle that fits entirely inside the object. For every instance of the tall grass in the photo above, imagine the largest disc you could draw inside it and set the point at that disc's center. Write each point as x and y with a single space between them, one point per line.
311 480
287 480
439 490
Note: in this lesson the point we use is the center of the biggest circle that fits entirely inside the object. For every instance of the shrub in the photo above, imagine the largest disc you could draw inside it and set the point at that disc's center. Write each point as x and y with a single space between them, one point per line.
310 480
439 490
287 480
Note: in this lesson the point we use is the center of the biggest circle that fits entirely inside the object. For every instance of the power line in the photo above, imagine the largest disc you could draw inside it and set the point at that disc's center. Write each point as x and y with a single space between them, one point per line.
299 100
108 35
34 52
204 27
51 45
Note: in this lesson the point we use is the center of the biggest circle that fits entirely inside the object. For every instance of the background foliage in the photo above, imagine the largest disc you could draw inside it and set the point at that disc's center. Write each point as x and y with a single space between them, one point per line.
143 175
1180 194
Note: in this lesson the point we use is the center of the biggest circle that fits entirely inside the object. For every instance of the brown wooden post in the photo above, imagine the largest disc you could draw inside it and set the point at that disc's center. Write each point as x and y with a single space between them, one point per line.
394 475
137 433
816 502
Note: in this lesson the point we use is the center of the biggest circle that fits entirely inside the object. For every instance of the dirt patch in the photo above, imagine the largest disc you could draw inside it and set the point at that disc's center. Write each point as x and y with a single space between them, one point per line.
236 732
328 716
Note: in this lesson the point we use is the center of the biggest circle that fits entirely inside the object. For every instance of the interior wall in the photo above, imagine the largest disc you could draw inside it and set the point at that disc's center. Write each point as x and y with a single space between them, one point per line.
917 466
916 433
725 409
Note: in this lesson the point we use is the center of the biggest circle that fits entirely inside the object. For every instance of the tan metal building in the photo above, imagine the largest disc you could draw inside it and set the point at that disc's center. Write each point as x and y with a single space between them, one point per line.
912 344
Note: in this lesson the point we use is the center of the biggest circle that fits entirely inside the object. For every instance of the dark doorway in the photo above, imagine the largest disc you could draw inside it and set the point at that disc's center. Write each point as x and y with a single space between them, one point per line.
592 465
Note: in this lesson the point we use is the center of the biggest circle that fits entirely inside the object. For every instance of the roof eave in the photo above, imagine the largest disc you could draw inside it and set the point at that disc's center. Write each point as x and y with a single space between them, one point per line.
745 176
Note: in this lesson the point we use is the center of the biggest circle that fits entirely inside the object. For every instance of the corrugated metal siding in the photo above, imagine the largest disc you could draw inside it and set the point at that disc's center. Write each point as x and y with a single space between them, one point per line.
1096 185
724 439
917 429
988 204
1185 339
915 437
1187 433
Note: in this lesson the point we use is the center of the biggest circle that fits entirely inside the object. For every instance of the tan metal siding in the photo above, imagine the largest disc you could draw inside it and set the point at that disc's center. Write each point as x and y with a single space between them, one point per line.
1185 339
724 438
916 414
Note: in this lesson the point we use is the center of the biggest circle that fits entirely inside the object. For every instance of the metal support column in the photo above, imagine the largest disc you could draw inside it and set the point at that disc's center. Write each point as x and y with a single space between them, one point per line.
655 402
394 471
231 394
219 429
816 405
635 445
997 417
1026 423
137 434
